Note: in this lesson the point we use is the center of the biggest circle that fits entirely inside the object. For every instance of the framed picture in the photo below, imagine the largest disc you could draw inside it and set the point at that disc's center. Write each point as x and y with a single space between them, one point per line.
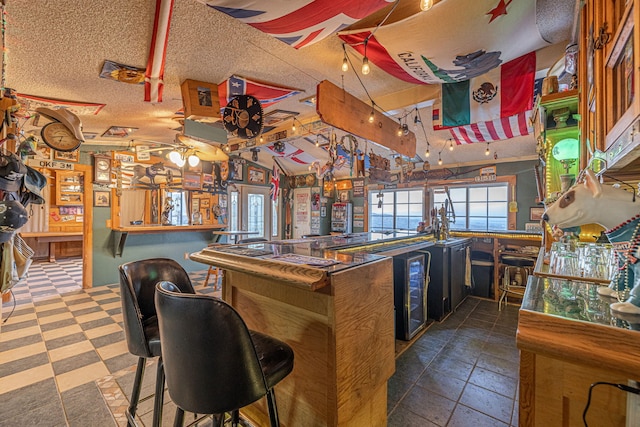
191 181
236 167
119 131
256 175
102 198
535 214
70 156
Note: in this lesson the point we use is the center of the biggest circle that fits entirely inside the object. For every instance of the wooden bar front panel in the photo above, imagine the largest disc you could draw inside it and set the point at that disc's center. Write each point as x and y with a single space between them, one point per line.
343 339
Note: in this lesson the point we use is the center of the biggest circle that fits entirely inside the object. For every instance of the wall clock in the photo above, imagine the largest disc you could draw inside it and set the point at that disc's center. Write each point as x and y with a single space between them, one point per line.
102 169
59 137
243 117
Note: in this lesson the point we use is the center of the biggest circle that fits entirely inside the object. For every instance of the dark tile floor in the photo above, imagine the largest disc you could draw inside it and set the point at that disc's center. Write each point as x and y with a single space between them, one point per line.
63 361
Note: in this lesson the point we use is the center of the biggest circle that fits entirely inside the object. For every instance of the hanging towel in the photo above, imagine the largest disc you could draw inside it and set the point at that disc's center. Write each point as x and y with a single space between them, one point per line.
467 268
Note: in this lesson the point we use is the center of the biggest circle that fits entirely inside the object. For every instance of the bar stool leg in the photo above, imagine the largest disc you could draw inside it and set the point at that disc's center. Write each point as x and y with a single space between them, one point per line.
135 393
273 408
178 421
158 400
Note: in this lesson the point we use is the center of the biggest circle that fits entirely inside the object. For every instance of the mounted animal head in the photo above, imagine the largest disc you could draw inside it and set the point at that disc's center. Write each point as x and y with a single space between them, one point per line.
589 202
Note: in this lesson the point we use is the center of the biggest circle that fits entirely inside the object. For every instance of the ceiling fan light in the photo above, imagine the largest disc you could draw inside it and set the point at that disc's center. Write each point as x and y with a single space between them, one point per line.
193 160
426 5
175 157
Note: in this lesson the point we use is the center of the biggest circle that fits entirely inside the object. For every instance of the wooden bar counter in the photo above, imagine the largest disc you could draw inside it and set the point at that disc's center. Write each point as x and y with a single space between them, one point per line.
338 319
569 339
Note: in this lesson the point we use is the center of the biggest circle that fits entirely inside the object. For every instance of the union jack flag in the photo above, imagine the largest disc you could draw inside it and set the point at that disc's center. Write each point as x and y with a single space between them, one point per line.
298 23
266 93
275 183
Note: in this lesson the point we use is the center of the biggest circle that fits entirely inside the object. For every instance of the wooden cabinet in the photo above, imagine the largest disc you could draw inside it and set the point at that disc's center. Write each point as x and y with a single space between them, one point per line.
69 188
609 80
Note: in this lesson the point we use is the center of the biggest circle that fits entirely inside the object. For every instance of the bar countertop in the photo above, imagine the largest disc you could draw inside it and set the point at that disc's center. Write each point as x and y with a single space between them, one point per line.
571 321
309 261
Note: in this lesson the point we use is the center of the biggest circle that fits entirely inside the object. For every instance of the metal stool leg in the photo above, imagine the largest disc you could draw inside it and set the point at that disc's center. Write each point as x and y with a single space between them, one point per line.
273 408
158 400
179 419
135 393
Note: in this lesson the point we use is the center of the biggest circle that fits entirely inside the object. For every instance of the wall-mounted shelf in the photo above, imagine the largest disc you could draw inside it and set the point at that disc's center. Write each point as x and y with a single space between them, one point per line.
120 234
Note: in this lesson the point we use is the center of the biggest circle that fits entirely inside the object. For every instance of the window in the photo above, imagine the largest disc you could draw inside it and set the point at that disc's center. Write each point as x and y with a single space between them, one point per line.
234 212
177 207
395 210
476 207
274 219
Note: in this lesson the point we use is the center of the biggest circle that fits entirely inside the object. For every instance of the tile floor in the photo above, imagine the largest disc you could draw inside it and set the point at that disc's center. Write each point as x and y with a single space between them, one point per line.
64 361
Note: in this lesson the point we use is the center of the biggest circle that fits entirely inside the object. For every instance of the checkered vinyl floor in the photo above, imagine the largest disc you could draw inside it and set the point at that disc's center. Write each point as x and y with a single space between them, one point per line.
63 351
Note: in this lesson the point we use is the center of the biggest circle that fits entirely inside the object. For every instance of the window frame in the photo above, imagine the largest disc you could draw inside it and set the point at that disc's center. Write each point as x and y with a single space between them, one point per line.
510 180
372 200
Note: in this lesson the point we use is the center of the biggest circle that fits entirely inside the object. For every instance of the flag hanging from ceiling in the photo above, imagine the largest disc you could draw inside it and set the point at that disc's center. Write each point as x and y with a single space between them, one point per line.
502 92
154 75
275 183
288 151
493 130
485 35
266 93
298 23
491 107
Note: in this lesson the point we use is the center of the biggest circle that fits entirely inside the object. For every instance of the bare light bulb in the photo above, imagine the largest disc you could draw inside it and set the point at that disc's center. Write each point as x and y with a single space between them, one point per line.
487 152
366 69
426 5
227 148
427 153
293 127
400 130
345 65
371 116
440 160
317 142
451 146
261 138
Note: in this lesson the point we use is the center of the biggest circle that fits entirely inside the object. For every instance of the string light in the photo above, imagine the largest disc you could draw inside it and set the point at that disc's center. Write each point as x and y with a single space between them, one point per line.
439 160
227 148
427 153
487 151
366 69
371 115
426 5
317 141
400 129
450 144
261 139
293 126
345 63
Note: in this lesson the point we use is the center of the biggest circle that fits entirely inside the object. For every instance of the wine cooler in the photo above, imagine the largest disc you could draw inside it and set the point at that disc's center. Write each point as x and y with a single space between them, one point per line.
410 293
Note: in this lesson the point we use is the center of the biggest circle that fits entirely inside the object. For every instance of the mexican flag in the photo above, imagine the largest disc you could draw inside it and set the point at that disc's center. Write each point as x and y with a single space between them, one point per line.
504 91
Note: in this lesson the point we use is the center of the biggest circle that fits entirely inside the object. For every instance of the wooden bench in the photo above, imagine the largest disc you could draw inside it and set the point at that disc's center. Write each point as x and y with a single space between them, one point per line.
52 237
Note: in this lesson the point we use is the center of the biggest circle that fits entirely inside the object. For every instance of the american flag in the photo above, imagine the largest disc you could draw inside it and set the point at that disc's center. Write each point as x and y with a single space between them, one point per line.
298 23
275 183
266 93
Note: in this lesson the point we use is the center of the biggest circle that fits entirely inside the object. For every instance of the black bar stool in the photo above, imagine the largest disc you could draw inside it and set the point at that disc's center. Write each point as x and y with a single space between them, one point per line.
514 266
213 363
137 288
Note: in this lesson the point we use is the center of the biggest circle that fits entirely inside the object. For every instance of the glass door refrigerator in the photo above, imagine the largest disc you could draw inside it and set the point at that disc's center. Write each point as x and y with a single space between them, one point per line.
410 293
341 217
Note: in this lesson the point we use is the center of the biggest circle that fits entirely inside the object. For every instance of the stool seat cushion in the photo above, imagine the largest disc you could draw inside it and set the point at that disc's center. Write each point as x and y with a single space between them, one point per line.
276 357
516 261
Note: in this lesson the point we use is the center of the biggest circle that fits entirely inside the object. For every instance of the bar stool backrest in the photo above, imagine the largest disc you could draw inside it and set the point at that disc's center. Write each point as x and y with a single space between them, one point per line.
210 361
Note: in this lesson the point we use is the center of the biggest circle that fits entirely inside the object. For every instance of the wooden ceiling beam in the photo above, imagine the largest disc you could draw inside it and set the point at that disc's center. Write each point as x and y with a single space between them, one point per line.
344 111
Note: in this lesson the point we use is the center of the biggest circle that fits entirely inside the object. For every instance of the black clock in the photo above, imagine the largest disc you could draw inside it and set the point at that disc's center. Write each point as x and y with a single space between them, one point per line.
243 117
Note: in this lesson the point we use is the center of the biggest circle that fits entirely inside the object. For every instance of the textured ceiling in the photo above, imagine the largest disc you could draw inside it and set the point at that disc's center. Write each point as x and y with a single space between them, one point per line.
56 49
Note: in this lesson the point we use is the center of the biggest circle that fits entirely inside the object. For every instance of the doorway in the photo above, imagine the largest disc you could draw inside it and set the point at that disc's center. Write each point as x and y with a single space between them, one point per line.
250 210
